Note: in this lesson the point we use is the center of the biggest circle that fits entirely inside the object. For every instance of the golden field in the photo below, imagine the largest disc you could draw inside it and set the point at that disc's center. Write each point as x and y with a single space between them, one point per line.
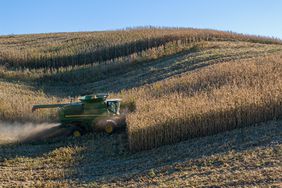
214 99
176 85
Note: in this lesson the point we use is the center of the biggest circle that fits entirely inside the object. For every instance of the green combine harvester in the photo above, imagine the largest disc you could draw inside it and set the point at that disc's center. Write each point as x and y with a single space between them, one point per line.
92 113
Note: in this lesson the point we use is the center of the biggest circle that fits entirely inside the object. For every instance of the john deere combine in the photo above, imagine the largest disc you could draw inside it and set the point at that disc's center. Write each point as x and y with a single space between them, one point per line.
92 113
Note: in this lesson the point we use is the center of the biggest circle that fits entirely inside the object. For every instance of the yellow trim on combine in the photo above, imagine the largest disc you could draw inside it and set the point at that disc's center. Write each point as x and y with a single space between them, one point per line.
76 134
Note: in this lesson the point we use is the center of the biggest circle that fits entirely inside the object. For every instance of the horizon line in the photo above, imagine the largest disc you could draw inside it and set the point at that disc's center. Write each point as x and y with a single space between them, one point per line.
128 28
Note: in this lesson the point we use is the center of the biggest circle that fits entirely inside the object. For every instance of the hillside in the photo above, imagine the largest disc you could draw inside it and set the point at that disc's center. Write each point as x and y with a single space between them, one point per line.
178 85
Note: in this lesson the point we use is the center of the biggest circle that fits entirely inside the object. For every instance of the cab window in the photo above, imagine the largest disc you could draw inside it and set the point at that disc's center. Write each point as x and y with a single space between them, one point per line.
112 106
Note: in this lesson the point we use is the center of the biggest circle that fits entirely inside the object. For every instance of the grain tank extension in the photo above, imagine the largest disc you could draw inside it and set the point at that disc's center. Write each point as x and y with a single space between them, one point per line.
92 113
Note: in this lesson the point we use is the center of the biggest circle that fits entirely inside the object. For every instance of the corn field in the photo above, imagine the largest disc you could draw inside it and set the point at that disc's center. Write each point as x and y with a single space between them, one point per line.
177 83
215 99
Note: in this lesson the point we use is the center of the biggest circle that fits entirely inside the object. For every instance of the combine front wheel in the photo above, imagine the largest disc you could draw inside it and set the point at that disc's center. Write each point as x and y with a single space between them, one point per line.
76 133
109 127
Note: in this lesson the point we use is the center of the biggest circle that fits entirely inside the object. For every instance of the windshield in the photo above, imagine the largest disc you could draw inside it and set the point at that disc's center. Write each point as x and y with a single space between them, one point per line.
113 106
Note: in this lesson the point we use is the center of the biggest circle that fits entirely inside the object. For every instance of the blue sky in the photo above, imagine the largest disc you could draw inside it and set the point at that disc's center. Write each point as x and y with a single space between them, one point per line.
260 17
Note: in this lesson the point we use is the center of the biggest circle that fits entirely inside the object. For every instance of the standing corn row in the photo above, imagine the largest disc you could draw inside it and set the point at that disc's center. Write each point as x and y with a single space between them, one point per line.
251 93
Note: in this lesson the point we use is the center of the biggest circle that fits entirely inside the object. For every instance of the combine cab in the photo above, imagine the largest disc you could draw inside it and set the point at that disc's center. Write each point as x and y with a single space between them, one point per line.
92 113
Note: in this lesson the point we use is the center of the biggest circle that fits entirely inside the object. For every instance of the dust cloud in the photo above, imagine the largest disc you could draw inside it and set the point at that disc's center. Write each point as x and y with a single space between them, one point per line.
19 132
